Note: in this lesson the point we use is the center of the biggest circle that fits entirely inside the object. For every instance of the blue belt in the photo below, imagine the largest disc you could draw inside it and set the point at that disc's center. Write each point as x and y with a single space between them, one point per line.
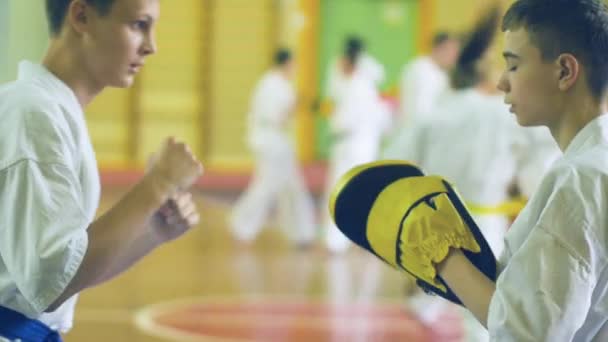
14 325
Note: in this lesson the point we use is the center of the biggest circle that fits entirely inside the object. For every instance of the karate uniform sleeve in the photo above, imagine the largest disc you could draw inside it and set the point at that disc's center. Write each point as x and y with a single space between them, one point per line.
545 290
43 235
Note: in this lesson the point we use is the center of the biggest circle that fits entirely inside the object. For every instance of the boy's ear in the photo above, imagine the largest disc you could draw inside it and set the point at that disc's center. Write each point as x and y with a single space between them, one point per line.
568 69
77 15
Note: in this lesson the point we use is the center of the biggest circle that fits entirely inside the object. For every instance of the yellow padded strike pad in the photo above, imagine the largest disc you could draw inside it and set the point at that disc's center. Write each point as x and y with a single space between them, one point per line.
409 220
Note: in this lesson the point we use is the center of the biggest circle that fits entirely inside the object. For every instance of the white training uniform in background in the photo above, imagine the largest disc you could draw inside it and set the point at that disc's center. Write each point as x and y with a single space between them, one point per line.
359 120
473 141
366 65
553 284
371 69
277 178
422 84
49 193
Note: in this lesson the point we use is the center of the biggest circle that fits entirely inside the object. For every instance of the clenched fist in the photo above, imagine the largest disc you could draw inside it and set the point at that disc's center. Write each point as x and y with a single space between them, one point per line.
177 216
174 168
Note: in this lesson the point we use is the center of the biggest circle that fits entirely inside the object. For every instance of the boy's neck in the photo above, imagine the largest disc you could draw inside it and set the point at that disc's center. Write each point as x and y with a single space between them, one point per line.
281 71
434 56
63 62
575 118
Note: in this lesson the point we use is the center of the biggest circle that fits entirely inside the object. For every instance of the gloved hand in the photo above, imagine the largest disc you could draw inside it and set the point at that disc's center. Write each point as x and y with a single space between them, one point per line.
409 220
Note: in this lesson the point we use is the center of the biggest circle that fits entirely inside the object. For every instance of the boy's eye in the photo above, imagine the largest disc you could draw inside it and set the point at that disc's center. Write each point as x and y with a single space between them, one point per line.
140 25
513 68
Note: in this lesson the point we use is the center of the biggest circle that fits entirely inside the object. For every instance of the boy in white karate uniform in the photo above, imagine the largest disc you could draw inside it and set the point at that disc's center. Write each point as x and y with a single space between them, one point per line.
470 139
553 284
51 248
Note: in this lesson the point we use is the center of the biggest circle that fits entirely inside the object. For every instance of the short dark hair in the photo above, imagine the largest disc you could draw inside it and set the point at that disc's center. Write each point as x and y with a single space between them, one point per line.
282 56
466 73
353 47
578 27
441 37
56 10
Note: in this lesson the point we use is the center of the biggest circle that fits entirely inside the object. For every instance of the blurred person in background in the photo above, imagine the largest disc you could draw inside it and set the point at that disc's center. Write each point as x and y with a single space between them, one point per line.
357 124
364 62
423 81
277 178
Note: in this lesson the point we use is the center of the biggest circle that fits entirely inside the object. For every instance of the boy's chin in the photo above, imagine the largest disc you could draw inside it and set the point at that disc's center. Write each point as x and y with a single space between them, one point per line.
125 82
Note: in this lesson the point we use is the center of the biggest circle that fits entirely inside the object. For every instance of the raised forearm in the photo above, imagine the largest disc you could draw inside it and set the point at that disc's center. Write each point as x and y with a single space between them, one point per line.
139 248
112 236
471 286
173 219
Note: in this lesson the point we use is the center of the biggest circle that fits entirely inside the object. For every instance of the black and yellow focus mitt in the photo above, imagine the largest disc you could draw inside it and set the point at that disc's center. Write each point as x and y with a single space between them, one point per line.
409 220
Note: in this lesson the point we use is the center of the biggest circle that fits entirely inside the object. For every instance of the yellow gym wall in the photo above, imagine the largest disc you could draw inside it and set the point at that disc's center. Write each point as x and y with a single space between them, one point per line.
243 37
24 34
302 20
456 15
173 88
459 16
198 86
109 120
